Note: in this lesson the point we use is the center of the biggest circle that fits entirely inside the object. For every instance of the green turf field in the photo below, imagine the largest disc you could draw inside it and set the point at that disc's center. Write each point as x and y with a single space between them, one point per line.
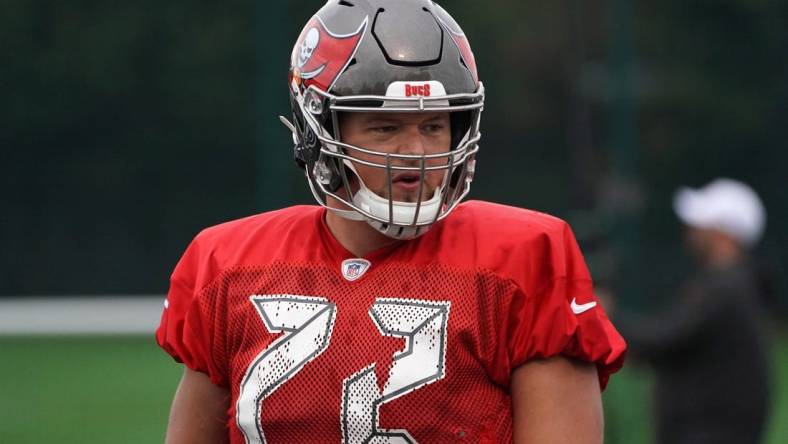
87 390
84 390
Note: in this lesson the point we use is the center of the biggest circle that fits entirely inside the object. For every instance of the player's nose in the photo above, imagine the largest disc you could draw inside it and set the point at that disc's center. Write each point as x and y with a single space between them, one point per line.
412 142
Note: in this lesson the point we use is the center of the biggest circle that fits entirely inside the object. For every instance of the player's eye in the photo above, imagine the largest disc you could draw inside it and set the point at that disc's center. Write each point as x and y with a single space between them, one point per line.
432 128
383 129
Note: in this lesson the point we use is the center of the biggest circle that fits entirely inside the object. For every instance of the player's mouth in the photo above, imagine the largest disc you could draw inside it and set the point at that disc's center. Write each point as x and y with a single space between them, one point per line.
407 181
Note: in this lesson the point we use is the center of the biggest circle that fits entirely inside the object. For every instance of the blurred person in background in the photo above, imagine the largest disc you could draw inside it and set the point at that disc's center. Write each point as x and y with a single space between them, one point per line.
708 350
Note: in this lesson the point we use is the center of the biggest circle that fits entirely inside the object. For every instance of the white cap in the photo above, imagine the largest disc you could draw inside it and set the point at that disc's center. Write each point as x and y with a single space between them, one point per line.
726 205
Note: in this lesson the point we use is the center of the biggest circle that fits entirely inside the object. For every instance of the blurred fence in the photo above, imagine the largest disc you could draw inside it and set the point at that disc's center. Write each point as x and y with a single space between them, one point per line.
128 128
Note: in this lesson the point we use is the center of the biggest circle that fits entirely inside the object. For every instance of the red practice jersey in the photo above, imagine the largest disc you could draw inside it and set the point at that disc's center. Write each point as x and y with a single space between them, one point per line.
412 343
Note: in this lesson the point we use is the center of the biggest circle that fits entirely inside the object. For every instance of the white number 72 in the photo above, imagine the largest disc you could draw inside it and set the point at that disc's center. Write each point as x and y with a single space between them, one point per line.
307 324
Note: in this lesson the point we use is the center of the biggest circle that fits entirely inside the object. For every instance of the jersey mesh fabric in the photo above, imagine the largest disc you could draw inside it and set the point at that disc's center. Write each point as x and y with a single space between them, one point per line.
463 406
478 304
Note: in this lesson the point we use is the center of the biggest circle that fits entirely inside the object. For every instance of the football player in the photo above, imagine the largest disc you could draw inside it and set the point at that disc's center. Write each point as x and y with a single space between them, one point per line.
390 312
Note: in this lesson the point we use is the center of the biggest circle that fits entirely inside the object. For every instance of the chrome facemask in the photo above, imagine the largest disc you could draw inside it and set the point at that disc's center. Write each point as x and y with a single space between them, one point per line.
401 220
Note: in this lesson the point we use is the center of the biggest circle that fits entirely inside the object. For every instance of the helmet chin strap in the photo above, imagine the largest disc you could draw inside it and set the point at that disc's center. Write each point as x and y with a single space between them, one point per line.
399 232
400 215
347 214
403 212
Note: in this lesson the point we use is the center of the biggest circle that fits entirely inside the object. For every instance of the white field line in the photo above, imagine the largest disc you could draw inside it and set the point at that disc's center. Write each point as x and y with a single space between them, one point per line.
107 315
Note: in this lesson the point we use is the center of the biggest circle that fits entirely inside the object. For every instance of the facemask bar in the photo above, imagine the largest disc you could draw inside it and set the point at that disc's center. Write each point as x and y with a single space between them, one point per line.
461 158
461 154
455 159
314 99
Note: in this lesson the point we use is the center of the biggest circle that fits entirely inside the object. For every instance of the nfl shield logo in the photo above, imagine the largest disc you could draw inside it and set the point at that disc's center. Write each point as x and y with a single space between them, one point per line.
353 269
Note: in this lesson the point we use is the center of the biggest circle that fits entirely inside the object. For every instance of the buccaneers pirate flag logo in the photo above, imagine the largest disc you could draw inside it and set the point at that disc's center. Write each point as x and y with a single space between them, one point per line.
465 48
320 55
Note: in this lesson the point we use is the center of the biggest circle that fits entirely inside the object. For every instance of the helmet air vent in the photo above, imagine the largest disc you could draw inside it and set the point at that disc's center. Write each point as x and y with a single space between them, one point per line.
395 36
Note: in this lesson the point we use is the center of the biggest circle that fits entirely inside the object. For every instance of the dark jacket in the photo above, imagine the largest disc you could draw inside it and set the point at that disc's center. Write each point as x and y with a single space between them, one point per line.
710 360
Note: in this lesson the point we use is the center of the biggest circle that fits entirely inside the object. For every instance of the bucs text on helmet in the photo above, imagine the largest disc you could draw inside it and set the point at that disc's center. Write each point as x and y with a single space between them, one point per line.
383 56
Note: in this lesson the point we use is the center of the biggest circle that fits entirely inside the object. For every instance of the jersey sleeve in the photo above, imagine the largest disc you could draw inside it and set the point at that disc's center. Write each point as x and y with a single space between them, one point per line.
561 315
189 318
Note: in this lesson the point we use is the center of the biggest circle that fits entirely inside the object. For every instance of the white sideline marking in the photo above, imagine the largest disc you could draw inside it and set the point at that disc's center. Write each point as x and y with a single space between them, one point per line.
108 315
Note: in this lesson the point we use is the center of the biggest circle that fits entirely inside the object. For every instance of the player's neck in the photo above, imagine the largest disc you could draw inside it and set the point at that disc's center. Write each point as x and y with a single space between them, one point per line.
357 236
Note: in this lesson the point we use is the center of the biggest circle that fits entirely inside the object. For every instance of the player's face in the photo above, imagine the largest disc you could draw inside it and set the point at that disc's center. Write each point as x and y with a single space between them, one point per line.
398 133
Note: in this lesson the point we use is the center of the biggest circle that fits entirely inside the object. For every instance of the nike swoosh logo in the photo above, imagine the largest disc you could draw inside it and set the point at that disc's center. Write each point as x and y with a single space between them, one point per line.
580 308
